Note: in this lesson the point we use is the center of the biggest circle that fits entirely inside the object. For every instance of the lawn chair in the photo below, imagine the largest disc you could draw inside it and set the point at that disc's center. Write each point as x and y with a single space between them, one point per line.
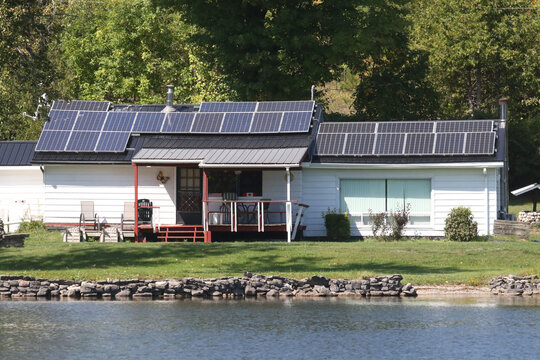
89 221
88 216
127 221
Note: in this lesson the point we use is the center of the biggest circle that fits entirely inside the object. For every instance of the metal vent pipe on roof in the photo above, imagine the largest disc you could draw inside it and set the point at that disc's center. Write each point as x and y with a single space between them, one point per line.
502 103
170 95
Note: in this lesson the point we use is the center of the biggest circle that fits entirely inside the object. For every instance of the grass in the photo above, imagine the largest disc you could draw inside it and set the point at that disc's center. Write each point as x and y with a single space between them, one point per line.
420 261
519 203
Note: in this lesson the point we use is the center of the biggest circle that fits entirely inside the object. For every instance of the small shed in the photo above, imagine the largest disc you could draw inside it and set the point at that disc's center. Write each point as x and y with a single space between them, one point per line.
532 192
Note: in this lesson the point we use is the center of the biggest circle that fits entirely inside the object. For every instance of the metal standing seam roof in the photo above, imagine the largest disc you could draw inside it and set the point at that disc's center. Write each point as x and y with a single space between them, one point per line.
16 153
224 157
526 189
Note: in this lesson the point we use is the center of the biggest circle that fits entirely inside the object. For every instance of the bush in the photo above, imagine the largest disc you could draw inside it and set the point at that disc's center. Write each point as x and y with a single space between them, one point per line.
338 226
460 225
398 221
391 229
31 226
379 226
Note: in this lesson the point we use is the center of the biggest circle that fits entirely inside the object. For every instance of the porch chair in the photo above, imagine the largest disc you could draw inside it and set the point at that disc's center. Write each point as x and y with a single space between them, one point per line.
225 208
127 220
88 216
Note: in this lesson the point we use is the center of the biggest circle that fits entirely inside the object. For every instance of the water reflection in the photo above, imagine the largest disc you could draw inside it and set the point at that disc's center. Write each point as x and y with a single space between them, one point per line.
311 328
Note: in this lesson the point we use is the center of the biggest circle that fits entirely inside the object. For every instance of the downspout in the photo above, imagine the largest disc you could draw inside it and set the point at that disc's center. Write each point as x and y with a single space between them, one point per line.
504 175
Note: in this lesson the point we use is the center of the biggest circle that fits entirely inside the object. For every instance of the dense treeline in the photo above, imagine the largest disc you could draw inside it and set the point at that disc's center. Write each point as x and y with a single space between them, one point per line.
412 59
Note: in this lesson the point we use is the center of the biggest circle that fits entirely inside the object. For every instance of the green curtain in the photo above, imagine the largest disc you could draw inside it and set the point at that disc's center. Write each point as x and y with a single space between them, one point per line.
416 193
359 196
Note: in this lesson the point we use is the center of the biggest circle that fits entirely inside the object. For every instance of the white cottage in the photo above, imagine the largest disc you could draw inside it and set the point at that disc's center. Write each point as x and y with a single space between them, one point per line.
21 184
197 170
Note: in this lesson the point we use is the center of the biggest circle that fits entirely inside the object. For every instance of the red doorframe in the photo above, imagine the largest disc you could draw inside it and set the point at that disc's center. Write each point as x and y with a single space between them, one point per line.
207 234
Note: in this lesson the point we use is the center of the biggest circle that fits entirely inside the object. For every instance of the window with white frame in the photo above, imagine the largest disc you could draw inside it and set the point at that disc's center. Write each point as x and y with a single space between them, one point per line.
359 196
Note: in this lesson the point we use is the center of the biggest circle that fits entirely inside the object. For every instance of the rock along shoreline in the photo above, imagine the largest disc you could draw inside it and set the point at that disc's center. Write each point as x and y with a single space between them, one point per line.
249 285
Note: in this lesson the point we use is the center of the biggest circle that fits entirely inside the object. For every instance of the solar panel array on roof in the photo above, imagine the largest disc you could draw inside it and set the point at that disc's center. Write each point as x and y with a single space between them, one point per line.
88 126
474 137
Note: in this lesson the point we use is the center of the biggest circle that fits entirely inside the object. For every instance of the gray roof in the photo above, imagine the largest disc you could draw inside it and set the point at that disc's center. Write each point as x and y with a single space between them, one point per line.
278 157
16 153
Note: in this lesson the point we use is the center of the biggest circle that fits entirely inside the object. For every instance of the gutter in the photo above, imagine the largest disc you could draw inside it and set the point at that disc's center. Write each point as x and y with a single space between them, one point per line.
474 165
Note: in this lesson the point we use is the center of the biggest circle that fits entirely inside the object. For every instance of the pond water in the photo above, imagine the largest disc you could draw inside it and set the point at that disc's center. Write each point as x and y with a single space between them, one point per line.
457 328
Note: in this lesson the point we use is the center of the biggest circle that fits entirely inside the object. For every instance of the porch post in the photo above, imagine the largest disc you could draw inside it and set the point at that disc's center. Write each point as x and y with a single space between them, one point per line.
207 237
288 207
136 180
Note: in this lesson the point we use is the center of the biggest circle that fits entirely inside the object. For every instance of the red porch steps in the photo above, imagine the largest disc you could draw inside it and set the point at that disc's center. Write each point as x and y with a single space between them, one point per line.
181 233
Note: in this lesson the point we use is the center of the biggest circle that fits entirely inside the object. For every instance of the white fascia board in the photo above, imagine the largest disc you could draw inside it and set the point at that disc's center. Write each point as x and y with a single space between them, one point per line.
473 165
274 166
19 168
165 161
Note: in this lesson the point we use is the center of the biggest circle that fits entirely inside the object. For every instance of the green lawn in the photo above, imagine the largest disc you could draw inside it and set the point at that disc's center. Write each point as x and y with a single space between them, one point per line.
519 203
420 261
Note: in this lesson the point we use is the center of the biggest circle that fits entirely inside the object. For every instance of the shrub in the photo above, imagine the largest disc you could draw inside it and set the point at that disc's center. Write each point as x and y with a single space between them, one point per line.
338 226
379 226
398 221
391 228
460 225
31 226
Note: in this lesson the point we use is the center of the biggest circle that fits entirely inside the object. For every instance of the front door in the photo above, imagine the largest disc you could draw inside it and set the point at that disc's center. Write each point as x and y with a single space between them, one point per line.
188 196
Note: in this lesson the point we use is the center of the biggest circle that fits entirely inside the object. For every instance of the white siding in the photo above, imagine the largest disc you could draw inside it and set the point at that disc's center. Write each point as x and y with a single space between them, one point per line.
275 188
21 194
450 188
109 186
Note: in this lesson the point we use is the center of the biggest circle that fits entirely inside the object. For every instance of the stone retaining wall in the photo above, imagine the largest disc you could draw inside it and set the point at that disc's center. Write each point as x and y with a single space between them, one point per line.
247 286
515 285
529 216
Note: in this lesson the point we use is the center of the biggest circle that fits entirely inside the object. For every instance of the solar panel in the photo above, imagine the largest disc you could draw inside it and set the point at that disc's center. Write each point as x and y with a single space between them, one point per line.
266 122
237 122
110 141
464 126
148 122
296 121
207 122
419 144
177 122
52 140
60 120
480 143
90 120
81 105
347 127
90 105
228 107
389 144
359 144
330 144
405 127
449 143
120 121
273 106
82 141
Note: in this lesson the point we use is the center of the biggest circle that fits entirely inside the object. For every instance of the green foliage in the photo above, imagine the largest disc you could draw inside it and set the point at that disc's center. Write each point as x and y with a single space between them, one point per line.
389 226
277 49
338 226
127 51
460 225
31 226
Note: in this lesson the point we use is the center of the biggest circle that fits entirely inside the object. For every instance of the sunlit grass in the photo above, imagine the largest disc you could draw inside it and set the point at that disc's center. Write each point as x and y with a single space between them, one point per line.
420 261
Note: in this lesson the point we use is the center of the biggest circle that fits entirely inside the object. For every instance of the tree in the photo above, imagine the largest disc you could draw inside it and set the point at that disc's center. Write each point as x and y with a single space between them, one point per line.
127 51
480 51
276 49
26 28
